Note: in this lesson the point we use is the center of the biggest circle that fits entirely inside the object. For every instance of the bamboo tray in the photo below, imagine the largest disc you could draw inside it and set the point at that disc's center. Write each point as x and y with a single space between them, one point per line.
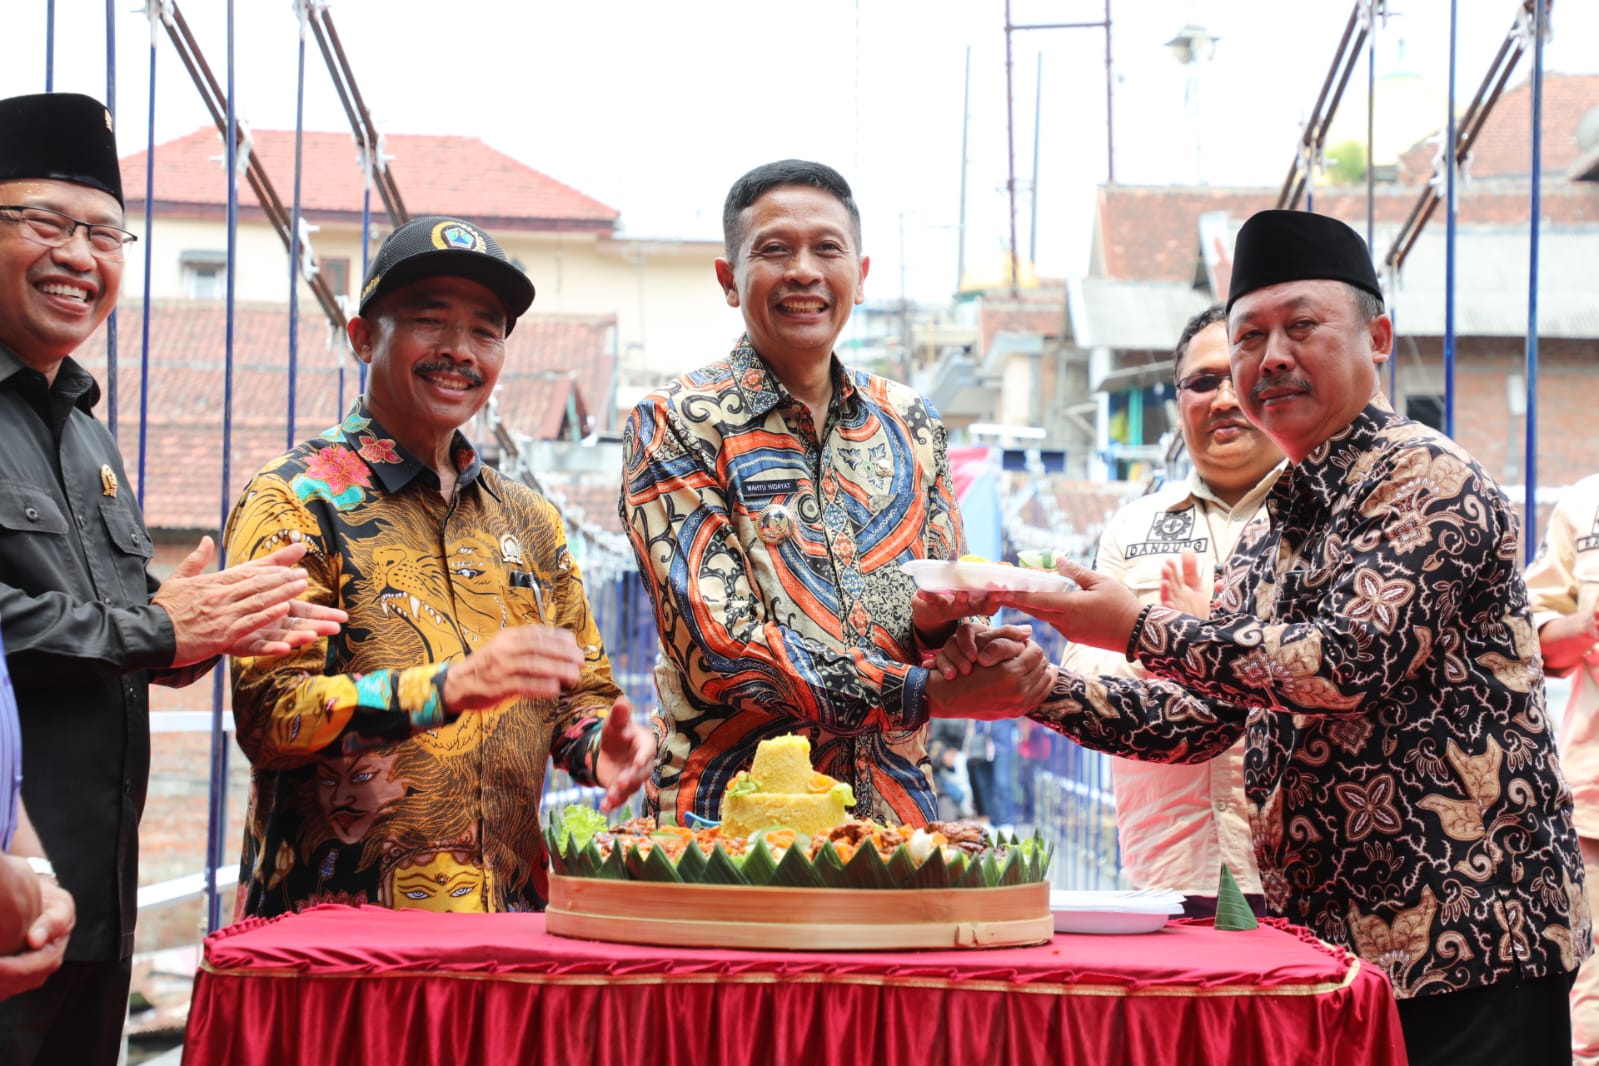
816 919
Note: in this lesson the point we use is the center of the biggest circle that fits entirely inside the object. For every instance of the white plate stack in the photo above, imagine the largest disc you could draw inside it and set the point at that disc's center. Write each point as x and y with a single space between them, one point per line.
1140 911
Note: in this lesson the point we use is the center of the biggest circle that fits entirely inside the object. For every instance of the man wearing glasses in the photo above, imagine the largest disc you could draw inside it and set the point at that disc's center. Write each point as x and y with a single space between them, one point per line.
86 626
1179 822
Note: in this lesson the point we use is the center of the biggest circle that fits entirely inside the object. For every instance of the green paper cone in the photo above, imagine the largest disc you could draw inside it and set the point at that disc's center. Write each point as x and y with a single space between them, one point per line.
1232 913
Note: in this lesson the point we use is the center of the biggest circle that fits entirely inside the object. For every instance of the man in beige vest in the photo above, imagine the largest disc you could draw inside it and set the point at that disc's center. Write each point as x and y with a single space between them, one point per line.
1563 583
1178 822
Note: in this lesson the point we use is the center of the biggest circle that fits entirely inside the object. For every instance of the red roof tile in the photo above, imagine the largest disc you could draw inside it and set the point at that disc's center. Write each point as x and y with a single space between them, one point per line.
435 175
1504 147
550 360
1151 233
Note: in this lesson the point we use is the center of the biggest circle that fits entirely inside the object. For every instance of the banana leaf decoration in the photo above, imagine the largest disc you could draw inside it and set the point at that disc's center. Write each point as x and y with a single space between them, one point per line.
1232 913
866 869
758 865
719 869
933 873
795 871
829 867
1009 861
691 867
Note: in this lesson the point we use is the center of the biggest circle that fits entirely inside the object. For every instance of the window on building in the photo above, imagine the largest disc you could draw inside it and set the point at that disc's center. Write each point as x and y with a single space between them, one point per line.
205 274
336 272
1427 408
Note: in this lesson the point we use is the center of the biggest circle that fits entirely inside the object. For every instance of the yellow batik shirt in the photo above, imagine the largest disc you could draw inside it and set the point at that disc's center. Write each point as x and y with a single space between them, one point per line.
364 789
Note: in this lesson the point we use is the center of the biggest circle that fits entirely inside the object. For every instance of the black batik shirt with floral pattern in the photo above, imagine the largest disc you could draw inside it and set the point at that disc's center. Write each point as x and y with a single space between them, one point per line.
1406 799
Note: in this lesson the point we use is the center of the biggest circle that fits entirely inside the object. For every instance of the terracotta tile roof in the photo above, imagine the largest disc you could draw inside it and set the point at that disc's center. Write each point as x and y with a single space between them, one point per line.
1504 147
1151 233
435 175
1041 311
550 360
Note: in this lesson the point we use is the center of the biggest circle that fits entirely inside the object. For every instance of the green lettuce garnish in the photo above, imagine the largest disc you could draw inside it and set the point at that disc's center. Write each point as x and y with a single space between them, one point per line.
579 824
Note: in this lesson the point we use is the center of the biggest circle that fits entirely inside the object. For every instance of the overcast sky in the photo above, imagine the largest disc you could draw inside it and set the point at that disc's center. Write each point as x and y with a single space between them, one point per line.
655 108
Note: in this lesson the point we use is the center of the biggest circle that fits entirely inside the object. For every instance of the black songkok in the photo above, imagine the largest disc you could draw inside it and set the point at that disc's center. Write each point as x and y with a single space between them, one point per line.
1278 246
60 136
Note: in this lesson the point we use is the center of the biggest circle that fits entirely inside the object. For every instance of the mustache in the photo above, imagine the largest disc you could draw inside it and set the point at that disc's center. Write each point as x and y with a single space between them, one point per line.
1284 381
445 366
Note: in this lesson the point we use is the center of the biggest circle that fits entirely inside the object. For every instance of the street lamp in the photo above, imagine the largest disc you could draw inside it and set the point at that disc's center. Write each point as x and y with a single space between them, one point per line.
1193 46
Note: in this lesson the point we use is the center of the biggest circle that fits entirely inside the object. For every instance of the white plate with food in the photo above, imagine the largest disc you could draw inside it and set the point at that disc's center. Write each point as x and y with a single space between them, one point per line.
1143 911
938 575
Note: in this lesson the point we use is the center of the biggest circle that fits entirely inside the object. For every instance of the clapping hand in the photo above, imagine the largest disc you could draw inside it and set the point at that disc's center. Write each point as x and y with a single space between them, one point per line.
248 609
1184 586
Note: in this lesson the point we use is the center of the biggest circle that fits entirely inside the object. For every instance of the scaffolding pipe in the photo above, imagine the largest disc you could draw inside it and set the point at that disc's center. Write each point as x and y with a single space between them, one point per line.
1010 118
1315 131
218 103
1468 128
355 109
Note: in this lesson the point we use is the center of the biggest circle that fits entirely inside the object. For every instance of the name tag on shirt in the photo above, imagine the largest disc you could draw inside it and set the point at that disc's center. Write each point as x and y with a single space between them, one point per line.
784 486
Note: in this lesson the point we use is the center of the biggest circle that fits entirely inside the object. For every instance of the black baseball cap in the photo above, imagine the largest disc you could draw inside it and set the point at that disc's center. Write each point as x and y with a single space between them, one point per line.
61 137
441 246
1278 246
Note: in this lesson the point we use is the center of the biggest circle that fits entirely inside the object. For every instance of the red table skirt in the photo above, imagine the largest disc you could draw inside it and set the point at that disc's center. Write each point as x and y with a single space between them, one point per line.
368 985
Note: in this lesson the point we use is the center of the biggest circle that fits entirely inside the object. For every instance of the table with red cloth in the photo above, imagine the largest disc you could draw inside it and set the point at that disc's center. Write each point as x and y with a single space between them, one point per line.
390 988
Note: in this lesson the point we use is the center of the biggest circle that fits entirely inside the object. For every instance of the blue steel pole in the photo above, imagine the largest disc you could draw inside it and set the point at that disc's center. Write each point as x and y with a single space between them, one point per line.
219 746
111 319
1530 450
149 242
1449 236
366 246
50 46
294 239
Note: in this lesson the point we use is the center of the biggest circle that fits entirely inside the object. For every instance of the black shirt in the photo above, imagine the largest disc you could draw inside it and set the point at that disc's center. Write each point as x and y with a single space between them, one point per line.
80 639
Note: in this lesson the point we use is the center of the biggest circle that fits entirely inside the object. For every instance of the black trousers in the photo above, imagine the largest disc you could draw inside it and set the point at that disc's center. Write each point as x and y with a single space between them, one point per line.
73 1019
1525 1023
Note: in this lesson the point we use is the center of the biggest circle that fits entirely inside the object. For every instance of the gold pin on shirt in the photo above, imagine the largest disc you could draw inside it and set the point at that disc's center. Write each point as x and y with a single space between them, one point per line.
108 481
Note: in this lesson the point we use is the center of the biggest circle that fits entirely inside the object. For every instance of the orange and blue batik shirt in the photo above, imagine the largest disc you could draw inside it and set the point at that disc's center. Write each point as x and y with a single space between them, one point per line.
772 550
364 789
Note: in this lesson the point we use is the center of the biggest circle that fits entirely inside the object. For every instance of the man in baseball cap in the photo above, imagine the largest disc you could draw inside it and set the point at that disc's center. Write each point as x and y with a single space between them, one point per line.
402 763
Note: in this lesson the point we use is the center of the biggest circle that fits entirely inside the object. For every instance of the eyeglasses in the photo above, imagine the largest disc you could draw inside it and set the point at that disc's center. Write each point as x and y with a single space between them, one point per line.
1206 382
54 229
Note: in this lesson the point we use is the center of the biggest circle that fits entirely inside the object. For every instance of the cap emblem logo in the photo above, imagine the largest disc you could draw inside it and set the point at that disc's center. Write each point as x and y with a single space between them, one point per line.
370 286
458 236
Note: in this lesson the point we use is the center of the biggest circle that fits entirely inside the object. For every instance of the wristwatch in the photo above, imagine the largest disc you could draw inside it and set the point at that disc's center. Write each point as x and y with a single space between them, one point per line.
41 866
